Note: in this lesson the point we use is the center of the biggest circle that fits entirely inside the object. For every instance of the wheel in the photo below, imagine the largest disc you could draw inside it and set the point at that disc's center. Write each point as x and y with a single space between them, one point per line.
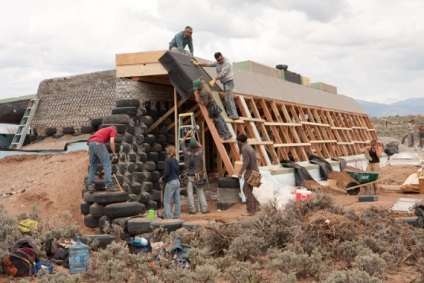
85 208
139 225
353 191
108 197
118 210
91 221
169 224
117 119
129 110
97 210
127 102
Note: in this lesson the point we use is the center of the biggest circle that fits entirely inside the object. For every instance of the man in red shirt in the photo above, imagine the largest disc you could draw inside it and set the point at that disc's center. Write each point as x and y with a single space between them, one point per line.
98 152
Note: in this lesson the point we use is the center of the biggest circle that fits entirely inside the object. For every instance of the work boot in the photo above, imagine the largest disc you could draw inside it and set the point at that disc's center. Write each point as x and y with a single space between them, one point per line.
192 212
91 190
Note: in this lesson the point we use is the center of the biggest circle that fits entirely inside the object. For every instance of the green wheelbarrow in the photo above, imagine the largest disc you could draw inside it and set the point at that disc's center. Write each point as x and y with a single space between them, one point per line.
362 178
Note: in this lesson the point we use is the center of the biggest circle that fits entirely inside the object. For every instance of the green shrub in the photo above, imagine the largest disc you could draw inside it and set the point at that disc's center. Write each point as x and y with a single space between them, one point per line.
351 276
372 264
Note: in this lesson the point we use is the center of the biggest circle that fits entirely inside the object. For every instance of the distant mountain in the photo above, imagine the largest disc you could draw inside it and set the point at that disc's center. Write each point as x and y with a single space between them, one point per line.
407 107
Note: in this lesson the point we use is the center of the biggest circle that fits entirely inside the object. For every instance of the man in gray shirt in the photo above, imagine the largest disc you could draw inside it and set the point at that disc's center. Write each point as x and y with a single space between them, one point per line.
224 73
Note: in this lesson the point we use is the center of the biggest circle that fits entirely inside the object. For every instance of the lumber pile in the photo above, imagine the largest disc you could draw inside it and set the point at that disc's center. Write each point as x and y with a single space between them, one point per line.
414 183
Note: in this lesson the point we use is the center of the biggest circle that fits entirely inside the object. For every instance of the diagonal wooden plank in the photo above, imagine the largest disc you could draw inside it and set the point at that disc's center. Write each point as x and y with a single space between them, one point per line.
217 139
164 116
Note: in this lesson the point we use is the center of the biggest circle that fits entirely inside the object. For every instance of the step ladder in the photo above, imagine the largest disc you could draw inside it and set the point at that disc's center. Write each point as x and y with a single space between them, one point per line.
182 131
19 138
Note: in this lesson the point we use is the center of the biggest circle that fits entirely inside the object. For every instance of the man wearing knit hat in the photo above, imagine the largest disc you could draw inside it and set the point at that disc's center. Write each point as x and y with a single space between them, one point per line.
201 88
249 164
192 158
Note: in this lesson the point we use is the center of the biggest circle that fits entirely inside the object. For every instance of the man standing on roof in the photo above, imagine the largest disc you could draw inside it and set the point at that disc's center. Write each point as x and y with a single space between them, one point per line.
98 152
224 71
202 89
181 40
192 158
249 164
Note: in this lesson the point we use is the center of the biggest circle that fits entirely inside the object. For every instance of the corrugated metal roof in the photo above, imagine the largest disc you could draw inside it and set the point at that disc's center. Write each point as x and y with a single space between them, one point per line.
260 85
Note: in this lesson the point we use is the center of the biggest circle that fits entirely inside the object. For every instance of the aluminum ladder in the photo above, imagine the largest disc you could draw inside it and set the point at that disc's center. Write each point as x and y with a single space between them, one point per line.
182 130
19 138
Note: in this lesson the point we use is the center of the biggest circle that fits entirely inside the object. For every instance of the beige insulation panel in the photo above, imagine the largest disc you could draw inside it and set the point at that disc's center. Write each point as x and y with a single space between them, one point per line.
255 84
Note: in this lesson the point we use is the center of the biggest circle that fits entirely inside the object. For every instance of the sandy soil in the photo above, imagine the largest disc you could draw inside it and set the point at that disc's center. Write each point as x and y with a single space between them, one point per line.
54 183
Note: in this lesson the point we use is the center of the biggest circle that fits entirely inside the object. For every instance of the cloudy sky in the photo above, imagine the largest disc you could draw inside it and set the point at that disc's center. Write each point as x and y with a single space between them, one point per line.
370 49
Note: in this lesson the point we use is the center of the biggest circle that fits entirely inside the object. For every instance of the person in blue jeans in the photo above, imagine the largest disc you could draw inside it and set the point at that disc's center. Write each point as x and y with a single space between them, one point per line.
98 152
192 158
225 74
172 187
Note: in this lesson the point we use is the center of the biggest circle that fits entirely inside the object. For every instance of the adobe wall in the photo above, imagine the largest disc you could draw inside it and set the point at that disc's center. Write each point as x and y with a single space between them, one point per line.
73 101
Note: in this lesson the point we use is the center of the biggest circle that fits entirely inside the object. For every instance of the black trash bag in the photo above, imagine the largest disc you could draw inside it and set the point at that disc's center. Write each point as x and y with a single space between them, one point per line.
342 162
391 151
324 166
300 173
419 211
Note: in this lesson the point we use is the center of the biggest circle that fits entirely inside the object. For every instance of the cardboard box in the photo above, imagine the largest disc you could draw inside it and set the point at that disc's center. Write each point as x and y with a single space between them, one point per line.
332 183
421 185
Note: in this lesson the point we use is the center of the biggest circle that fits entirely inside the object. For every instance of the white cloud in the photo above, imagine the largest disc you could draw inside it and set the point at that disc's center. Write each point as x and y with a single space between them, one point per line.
371 50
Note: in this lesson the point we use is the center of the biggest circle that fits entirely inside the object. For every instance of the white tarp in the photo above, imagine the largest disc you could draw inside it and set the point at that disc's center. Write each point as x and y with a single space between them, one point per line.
8 129
405 158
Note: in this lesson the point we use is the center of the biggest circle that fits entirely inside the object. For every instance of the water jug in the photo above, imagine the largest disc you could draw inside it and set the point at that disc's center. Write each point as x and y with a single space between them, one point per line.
78 257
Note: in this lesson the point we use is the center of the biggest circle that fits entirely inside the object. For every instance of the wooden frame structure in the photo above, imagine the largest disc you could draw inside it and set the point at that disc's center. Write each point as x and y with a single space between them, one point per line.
277 129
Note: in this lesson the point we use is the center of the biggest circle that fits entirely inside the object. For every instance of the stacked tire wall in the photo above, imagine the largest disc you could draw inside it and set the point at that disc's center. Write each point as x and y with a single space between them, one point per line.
141 163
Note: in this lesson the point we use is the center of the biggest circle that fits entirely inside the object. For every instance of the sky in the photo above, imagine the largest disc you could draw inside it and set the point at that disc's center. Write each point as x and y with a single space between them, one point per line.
371 50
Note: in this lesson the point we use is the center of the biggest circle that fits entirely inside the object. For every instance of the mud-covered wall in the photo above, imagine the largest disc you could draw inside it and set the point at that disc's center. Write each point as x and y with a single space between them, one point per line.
74 101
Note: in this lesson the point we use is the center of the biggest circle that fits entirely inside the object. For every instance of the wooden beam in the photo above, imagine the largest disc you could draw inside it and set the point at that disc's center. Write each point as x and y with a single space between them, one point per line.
291 144
218 142
138 57
169 112
282 124
162 80
315 124
324 141
151 69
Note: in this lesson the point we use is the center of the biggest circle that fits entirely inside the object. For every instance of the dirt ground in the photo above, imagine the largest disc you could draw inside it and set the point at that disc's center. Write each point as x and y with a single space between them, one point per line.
54 183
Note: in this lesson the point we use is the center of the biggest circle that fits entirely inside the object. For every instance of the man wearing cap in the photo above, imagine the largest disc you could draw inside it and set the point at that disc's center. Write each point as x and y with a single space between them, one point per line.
249 164
192 158
203 90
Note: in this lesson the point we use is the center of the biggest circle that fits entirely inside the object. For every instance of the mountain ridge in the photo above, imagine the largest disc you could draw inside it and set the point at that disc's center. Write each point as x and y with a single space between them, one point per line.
412 106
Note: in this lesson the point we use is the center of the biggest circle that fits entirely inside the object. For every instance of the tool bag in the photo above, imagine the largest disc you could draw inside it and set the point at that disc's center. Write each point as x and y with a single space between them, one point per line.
255 179
213 109
199 178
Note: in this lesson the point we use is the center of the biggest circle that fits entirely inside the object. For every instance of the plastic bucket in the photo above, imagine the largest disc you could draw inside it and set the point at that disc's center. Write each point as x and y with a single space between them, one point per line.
302 194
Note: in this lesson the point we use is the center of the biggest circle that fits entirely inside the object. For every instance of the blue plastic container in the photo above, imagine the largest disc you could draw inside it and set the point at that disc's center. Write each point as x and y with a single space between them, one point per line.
79 255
